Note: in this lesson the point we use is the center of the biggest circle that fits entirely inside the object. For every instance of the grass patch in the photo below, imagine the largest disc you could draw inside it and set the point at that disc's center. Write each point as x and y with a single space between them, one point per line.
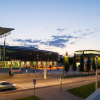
29 98
85 90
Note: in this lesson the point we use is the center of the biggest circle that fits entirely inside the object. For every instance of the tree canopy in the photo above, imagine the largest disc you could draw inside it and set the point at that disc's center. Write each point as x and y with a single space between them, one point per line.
94 65
88 64
74 64
81 63
66 63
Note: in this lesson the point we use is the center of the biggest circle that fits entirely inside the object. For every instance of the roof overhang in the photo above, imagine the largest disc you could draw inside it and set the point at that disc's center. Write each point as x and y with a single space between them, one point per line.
5 30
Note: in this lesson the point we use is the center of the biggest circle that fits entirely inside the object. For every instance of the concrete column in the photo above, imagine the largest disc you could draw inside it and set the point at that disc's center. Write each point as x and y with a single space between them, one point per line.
31 63
25 64
45 72
42 64
96 79
53 63
37 64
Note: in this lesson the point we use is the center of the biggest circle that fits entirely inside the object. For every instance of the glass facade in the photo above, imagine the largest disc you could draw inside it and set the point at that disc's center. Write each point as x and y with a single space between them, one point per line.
86 54
29 56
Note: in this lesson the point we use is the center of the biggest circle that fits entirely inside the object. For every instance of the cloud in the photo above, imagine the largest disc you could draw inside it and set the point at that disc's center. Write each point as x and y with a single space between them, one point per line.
70 36
58 43
91 32
44 43
87 29
63 36
95 28
73 42
79 31
36 46
60 29
27 40
84 35
59 37
18 40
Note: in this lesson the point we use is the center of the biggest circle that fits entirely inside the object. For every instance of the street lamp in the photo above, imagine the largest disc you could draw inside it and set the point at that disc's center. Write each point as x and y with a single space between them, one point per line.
96 72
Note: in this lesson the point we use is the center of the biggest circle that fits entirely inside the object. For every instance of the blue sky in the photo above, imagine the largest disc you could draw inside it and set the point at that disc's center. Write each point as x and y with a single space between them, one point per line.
54 25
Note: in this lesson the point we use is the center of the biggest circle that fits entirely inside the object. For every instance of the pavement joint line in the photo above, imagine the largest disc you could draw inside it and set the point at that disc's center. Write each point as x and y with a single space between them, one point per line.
39 87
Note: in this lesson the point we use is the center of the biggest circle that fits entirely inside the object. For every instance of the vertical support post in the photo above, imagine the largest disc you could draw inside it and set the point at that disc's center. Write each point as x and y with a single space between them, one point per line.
61 78
20 66
34 89
96 72
96 79
35 75
37 64
34 82
4 53
45 72
11 66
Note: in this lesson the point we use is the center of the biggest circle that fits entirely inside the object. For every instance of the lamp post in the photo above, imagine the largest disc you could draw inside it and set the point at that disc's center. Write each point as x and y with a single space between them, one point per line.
61 77
96 72
4 52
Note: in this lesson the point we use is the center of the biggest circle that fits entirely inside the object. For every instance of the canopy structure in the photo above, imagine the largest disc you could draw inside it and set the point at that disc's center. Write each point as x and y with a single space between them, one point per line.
5 31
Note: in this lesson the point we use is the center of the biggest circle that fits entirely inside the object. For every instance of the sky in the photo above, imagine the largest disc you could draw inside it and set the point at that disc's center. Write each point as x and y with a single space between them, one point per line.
54 25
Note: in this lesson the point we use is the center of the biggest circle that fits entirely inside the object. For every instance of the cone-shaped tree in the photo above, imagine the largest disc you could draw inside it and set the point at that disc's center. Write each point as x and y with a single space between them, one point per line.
74 64
99 62
81 63
94 65
88 64
66 63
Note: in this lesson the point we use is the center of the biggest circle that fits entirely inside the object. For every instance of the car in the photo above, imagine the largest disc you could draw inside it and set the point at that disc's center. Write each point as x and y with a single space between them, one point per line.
6 85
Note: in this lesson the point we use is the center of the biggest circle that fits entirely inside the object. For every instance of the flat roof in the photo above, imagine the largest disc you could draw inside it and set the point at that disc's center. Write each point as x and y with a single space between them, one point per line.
4 30
26 48
87 50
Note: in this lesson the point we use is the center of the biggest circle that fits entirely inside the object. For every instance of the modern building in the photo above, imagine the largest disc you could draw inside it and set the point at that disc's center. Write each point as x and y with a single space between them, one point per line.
29 56
86 53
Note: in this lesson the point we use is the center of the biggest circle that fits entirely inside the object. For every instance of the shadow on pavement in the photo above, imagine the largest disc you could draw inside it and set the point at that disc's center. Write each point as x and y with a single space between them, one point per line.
7 90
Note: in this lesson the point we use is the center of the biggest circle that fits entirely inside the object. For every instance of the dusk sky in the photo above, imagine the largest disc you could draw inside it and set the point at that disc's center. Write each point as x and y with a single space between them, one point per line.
54 25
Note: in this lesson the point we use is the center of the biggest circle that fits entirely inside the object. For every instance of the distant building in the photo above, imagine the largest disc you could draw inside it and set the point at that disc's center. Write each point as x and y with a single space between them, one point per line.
29 56
86 53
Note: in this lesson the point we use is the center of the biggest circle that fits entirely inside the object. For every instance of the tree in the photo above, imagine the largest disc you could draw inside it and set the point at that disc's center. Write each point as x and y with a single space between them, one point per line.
88 64
74 64
81 63
66 63
99 62
71 61
94 65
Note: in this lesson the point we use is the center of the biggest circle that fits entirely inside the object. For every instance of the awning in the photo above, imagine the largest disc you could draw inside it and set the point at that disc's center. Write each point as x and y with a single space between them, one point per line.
5 30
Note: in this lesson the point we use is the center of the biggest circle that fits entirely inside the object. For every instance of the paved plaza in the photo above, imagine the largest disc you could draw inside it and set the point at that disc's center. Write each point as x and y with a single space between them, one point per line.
46 89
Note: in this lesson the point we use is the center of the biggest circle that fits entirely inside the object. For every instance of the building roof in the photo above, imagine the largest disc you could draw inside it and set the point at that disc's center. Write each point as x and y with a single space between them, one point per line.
26 48
86 50
5 30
